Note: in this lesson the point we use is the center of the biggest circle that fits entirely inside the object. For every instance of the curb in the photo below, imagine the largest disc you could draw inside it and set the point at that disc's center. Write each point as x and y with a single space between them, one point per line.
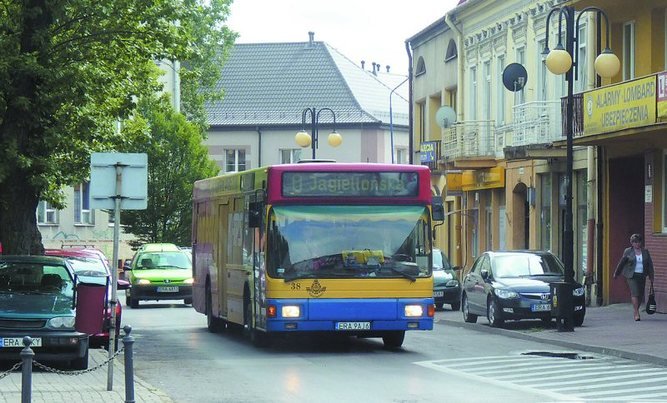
572 345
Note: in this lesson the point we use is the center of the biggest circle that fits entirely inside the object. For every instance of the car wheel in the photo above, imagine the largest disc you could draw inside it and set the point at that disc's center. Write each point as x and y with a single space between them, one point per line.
467 316
393 340
80 363
214 325
439 306
188 301
456 306
494 314
579 318
546 320
133 303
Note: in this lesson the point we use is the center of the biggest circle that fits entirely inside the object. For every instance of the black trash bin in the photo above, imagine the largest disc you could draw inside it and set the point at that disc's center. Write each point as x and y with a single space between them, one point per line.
562 305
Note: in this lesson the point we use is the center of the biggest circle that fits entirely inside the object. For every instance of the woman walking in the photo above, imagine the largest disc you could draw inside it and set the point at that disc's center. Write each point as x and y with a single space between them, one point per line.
635 265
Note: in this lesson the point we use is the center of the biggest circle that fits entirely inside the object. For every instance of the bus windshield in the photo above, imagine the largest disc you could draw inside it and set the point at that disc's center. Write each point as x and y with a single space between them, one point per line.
349 242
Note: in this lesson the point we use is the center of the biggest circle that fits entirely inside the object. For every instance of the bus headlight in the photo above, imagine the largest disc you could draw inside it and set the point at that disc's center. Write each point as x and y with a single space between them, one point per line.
290 311
414 310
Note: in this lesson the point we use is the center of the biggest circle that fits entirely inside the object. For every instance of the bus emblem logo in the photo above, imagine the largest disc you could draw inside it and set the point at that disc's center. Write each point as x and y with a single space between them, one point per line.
316 290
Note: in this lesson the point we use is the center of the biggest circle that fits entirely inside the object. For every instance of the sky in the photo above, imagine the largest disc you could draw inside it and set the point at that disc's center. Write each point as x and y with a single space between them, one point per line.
370 30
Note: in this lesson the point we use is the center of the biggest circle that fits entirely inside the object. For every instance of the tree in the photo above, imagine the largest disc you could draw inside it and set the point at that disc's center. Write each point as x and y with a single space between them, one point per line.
176 159
70 71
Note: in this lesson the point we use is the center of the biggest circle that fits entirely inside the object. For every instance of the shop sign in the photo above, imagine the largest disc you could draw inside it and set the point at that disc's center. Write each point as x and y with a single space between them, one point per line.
454 182
427 151
662 96
483 179
622 106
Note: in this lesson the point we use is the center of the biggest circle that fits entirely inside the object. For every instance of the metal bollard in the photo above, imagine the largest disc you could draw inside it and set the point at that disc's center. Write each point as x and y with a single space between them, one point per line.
26 379
128 341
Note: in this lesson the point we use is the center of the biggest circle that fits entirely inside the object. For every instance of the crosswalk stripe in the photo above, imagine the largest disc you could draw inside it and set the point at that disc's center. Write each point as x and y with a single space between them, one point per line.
553 381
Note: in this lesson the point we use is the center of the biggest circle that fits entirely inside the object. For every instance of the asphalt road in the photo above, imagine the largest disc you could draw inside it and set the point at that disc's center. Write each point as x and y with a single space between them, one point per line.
175 353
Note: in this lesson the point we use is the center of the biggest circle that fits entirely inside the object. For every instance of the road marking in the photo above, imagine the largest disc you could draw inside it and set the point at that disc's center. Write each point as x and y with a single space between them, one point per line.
598 377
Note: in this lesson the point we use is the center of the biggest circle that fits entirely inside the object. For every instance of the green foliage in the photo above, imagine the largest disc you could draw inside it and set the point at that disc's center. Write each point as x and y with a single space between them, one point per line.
176 159
72 69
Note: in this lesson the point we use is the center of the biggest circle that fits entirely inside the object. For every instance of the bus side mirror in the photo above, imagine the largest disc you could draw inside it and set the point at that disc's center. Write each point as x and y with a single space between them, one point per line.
255 215
437 209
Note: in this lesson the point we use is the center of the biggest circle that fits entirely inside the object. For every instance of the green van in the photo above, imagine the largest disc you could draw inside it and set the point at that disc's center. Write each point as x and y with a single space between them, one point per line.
159 271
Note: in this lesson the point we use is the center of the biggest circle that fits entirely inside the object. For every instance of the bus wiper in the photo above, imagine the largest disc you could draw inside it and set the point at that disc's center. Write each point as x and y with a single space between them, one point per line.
402 273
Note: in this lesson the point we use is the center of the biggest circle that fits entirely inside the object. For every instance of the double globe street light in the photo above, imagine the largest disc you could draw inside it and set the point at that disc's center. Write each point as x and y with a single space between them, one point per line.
560 60
303 139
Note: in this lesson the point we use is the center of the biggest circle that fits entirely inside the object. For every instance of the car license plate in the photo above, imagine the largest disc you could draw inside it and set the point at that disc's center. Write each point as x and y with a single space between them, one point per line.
18 342
438 293
540 307
167 289
353 325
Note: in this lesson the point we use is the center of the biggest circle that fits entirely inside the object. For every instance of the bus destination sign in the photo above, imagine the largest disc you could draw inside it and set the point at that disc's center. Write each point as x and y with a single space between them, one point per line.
350 184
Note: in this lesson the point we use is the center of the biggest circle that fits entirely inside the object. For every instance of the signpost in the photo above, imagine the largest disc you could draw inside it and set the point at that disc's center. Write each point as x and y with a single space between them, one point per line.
117 181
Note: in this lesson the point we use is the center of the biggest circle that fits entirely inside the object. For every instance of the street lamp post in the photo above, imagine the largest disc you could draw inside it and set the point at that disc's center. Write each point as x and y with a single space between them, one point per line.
562 60
303 139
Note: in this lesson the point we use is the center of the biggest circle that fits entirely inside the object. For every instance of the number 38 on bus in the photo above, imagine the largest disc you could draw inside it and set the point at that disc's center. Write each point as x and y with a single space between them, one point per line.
316 247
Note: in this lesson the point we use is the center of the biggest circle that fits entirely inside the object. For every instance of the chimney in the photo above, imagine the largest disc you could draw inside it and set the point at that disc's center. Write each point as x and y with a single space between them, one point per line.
311 37
376 67
363 64
388 67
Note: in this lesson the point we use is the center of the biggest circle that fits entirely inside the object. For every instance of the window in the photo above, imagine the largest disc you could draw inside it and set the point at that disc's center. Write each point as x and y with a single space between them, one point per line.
472 111
580 83
402 156
521 59
82 212
628 51
451 51
46 213
290 155
500 96
486 71
421 67
541 73
235 160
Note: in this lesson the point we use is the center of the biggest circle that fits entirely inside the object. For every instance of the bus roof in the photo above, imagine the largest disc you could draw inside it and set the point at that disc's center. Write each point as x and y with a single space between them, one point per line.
338 176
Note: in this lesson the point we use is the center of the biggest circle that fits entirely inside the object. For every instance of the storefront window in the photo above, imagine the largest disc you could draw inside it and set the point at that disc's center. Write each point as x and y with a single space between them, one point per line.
582 219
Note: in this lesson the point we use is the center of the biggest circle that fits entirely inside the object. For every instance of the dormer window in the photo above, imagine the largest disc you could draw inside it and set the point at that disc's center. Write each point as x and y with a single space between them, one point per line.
421 67
451 51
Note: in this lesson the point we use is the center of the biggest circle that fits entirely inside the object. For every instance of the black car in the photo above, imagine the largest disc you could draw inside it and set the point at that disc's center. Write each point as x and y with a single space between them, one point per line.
515 285
446 285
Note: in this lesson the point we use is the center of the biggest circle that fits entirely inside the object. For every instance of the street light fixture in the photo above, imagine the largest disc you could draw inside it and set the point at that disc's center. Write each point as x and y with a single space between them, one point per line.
303 139
561 61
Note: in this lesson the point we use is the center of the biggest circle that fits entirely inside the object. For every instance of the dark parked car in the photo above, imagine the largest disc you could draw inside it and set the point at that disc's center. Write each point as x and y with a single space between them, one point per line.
446 285
515 285
92 267
37 296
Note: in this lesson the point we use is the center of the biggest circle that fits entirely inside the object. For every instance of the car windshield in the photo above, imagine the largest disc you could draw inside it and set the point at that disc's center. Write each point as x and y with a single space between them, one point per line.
440 260
526 265
348 241
35 278
164 260
88 266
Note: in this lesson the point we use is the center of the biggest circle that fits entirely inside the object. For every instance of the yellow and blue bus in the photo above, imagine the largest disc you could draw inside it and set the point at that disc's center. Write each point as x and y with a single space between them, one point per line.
316 247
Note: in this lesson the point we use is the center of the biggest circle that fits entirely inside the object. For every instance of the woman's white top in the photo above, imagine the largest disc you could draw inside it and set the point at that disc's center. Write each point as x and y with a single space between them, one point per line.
639 267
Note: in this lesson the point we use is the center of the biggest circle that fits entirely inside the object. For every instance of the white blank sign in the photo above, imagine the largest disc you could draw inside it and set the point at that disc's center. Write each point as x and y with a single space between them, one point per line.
134 180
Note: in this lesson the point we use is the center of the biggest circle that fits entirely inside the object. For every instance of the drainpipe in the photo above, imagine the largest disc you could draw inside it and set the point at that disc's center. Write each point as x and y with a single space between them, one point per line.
411 140
459 66
259 146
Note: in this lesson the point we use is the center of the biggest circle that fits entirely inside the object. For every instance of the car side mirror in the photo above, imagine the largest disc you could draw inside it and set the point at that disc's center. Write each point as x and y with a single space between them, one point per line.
484 273
122 284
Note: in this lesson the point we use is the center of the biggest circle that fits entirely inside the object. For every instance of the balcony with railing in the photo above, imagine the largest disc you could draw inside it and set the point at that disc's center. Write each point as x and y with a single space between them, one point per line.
537 122
469 139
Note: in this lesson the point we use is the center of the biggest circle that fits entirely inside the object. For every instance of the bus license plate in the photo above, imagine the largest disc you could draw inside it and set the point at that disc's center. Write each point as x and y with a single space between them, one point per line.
540 307
18 342
167 289
353 325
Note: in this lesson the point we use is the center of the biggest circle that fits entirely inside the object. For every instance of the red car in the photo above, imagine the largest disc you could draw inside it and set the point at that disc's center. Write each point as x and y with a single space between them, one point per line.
92 267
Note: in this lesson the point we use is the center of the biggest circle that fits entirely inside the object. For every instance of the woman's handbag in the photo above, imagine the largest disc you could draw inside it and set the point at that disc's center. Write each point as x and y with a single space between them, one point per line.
650 303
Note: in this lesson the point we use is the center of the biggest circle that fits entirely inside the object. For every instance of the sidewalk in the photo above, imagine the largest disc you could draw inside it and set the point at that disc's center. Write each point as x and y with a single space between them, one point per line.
606 330
87 387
